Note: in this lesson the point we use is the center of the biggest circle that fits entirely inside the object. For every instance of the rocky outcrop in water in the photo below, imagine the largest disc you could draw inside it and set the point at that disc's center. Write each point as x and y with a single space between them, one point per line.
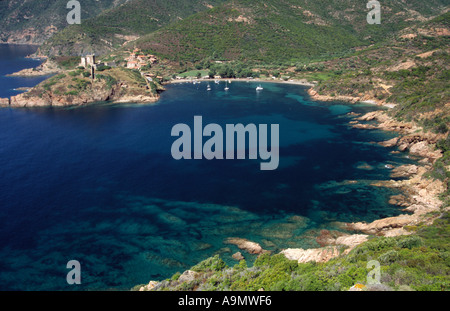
51 100
237 256
246 245
420 193
4 102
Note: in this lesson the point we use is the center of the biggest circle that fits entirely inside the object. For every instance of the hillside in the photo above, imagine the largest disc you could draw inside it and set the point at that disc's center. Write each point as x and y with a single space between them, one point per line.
113 27
34 21
277 31
409 71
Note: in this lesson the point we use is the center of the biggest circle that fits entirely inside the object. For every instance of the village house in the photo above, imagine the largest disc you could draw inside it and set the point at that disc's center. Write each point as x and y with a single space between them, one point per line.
137 60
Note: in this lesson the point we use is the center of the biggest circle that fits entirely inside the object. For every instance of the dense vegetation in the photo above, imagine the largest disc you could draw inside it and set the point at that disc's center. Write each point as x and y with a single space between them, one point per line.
277 31
411 72
17 15
108 30
420 261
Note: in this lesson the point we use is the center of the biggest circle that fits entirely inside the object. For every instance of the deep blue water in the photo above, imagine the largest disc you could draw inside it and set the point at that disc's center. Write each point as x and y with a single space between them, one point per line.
98 184
12 59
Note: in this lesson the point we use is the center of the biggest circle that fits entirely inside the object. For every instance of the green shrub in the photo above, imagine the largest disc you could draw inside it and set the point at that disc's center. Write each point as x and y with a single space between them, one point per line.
175 276
410 242
103 67
73 93
211 264
444 144
378 244
389 257
47 86
110 81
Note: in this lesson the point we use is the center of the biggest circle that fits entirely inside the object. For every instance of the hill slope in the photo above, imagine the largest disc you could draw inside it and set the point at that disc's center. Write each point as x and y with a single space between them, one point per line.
113 27
275 30
410 71
34 21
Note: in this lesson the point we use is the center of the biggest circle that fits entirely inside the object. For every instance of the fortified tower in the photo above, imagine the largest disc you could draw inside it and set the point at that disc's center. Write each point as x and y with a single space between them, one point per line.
87 60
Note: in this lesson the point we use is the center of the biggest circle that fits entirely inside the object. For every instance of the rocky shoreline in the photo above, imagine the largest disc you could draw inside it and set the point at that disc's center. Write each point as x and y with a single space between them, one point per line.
100 95
419 198
350 99
420 194
47 68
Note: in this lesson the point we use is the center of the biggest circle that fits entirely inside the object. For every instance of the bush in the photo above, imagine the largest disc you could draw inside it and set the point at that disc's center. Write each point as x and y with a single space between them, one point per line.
102 68
441 128
389 257
380 244
175 276
410 242
47 86
73 93
211 264
110 81
444 144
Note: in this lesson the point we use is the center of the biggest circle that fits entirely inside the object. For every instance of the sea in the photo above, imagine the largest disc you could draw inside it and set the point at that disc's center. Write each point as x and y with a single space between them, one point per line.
98 184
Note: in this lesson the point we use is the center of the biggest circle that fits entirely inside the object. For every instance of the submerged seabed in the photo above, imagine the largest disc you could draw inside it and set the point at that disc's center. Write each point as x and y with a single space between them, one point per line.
98 184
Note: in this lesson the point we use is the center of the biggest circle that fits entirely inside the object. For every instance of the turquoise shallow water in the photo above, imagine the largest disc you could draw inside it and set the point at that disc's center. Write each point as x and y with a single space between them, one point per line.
98 184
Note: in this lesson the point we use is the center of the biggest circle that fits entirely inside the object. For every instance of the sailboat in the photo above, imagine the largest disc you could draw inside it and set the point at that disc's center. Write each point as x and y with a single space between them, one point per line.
208 88
226 87
259 88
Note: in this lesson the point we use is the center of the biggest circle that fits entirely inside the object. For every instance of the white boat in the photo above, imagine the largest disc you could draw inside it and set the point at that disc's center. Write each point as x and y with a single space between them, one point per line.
226 87
259 88
217 81
208 88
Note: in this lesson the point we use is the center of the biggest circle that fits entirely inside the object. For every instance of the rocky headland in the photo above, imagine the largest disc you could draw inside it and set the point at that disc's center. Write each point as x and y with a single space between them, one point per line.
77 88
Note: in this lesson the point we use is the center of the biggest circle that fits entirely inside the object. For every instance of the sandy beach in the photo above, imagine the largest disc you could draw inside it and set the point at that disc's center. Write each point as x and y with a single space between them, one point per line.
302 82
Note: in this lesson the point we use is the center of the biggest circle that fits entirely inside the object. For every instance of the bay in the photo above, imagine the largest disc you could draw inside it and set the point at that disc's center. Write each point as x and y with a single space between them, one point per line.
98 184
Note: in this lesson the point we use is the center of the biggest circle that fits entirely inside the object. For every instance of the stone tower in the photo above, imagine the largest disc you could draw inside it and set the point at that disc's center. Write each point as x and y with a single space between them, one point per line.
87 60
